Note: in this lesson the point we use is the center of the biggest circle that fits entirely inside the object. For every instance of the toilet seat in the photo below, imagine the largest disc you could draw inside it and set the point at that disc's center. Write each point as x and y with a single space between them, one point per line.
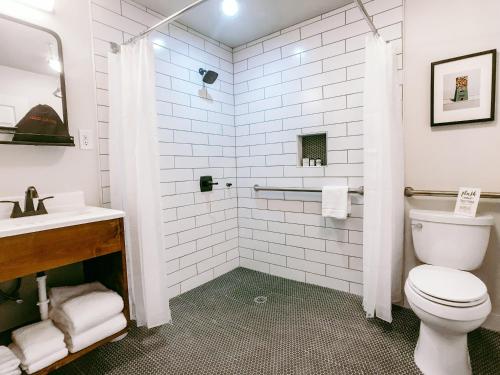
447 286
445 302
447 293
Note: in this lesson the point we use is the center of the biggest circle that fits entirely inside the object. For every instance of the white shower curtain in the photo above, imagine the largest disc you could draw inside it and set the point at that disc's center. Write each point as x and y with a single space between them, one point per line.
135 180
383 222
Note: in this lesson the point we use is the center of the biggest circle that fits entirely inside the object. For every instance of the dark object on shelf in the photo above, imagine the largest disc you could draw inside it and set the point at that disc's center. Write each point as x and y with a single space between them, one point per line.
229 184
41 124
206 183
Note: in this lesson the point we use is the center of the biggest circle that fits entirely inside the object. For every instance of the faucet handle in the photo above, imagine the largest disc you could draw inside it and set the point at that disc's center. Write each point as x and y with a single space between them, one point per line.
40 209
16 209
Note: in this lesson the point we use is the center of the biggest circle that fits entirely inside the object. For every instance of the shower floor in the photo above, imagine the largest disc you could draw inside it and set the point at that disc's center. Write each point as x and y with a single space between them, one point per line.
300 329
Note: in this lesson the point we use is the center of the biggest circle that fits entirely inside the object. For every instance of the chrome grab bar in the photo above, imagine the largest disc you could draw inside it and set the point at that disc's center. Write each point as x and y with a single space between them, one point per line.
410 192
359 190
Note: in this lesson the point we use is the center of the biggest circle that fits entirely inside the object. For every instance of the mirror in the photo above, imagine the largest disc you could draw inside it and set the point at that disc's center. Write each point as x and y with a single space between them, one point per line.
32 90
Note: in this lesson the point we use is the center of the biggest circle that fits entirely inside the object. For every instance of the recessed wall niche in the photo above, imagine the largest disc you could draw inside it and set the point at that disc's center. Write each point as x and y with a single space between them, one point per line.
312 147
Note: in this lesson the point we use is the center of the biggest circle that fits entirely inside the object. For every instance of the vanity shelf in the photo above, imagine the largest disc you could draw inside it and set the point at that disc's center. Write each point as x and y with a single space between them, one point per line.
99 245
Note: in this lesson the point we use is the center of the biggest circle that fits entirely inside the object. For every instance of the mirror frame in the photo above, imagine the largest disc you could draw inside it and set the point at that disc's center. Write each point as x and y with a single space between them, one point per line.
6 129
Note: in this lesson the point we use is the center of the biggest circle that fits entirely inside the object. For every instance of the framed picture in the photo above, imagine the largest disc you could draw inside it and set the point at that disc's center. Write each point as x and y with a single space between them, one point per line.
463 89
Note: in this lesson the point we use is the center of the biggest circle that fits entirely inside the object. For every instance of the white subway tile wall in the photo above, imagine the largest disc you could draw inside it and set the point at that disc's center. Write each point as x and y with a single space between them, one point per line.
196 134
305 79
243 129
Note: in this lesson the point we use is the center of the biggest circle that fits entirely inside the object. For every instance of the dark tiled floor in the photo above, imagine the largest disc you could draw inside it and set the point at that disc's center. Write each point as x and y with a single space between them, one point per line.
301 329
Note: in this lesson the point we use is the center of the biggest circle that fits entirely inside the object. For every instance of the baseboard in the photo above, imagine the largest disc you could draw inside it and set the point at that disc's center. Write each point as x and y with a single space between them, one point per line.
492 323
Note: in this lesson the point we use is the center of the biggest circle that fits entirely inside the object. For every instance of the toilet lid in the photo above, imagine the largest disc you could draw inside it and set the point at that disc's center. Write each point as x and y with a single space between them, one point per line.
447 284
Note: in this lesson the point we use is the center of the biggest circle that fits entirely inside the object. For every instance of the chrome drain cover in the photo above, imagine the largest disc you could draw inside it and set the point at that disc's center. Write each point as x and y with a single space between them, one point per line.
260 299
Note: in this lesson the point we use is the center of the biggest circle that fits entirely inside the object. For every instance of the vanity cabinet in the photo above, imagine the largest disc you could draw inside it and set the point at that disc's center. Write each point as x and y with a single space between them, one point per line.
99 245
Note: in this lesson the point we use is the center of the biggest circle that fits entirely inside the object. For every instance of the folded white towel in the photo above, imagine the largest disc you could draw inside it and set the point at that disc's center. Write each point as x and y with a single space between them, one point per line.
35 341
84 312
336 202
8 360
16 371
91 336
42 363
59 295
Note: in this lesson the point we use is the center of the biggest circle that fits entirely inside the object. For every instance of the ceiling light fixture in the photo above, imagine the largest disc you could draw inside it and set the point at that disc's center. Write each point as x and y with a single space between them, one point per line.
46 5
230 7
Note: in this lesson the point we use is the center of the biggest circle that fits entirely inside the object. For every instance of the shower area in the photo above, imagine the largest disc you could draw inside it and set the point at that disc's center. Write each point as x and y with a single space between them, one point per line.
239 114
245 247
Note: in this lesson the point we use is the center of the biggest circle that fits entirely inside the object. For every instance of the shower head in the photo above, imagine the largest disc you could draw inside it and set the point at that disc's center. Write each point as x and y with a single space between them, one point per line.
209 76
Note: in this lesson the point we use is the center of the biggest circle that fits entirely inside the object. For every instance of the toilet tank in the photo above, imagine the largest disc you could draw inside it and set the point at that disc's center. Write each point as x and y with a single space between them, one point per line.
445 239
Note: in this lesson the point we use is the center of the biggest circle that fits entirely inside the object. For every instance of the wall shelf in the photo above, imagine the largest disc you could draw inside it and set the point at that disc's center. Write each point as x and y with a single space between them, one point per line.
312 146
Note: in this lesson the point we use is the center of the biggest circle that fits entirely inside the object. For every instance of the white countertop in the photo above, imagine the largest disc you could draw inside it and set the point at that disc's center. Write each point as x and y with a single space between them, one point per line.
65 210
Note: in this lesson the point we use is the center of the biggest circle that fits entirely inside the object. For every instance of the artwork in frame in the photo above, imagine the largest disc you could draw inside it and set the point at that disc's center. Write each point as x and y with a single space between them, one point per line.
463 89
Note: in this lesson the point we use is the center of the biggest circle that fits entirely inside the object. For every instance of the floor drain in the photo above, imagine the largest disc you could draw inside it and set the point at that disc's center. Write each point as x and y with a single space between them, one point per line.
260 299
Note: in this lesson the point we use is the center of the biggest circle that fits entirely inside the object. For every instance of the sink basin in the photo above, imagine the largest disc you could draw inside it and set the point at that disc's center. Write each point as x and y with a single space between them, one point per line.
67 209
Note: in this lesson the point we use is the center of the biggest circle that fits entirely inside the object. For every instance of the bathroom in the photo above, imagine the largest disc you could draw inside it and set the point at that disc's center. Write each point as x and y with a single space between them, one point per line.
252 113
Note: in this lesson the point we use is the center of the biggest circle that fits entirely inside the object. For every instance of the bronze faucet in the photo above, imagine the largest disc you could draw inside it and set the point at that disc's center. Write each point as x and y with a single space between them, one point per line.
29 208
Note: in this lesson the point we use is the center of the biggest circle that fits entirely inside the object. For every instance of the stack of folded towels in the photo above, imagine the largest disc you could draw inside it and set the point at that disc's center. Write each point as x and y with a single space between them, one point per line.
86 313
9 363
38 345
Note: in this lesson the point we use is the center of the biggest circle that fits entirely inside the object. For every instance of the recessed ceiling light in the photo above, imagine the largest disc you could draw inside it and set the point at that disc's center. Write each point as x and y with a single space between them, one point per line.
230 7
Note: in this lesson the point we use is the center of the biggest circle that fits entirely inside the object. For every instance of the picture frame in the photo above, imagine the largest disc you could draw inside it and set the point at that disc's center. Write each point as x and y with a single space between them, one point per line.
463 89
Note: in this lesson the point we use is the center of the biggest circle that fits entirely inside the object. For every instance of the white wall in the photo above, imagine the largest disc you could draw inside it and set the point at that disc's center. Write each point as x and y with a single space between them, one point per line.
56 169
462 155
197 138
306 79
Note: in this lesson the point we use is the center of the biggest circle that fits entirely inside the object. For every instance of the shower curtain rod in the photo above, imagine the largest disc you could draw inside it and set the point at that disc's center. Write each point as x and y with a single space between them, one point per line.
367 17
115 47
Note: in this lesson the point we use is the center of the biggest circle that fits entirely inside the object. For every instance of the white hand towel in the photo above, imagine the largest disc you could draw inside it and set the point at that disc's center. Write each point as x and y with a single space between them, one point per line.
59 295
42 363
336 202
37 340
8 361
81 313
110 327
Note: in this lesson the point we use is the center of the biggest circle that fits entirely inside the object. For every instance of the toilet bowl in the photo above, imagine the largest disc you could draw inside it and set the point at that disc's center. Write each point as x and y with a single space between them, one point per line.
449 301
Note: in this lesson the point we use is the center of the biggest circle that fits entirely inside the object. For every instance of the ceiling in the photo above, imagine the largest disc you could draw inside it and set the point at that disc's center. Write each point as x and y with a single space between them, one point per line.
26 48
255 19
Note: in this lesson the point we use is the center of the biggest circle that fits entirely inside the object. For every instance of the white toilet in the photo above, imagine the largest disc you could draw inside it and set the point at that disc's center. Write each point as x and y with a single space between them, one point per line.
449 301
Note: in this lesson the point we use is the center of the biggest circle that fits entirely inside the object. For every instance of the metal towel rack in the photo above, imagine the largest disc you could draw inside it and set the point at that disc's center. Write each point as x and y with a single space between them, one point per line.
410 192
359 190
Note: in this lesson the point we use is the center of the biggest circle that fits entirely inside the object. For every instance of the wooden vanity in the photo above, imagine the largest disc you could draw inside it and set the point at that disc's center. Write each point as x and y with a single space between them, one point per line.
99 245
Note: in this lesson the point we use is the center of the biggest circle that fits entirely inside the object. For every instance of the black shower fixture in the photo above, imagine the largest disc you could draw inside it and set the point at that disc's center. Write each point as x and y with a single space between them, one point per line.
209 76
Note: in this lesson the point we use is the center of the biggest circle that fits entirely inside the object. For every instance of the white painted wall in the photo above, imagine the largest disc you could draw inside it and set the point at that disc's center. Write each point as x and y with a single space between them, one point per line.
462 155
56 169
